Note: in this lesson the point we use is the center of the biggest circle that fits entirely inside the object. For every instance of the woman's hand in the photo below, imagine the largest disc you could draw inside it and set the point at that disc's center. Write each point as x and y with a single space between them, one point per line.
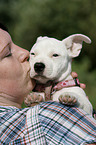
74 75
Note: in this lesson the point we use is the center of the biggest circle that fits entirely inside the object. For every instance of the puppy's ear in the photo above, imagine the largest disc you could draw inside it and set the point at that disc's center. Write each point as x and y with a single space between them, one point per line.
73 44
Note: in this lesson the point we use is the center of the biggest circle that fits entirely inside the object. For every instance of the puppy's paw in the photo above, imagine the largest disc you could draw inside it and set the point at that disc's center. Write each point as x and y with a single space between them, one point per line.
33 98
67 99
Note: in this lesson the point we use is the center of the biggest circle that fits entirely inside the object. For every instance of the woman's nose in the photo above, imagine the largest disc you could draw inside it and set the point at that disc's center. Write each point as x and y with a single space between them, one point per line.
24 55
21 54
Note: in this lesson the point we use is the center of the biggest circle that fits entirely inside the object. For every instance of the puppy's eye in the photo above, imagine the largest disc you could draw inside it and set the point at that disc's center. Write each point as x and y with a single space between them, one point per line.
55 55
32 53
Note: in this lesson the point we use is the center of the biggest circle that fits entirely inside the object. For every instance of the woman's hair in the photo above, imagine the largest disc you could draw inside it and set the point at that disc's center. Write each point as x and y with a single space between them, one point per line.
3 27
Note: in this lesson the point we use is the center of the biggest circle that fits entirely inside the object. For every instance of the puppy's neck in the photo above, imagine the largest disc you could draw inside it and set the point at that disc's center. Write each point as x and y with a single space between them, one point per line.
69 77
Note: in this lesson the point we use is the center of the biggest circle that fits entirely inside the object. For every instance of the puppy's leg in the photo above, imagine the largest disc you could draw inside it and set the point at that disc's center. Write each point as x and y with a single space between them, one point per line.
70 98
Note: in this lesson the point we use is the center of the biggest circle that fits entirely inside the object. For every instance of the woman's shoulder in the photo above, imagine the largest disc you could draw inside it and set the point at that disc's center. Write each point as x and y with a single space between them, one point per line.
20 125
68 124
49 122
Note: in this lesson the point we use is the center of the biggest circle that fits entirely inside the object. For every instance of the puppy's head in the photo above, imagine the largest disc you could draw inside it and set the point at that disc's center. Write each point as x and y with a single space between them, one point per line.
50 59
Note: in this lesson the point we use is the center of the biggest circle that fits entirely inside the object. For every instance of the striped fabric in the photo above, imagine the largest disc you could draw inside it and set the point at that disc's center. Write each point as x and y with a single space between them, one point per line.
49 123
64 125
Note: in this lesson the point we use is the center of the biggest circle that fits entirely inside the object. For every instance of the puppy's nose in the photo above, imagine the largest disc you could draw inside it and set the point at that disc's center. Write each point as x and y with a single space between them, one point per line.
39 67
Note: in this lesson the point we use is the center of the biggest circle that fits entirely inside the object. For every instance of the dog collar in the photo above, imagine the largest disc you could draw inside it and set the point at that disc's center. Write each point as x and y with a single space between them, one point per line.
66 83
50 88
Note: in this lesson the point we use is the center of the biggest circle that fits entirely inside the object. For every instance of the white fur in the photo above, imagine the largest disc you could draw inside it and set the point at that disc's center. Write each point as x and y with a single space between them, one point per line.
59 68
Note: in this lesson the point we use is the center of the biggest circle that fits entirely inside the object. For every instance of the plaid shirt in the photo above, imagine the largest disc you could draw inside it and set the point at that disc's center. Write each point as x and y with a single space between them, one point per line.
49 123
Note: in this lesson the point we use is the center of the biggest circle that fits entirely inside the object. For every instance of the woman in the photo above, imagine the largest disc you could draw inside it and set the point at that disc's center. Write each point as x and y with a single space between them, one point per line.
48 123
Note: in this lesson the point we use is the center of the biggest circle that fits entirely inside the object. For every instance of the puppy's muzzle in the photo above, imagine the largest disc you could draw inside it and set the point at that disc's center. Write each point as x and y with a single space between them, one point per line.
39 67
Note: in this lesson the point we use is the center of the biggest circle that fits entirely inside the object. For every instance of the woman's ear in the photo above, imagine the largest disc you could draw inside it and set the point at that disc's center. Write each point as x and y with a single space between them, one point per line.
74 42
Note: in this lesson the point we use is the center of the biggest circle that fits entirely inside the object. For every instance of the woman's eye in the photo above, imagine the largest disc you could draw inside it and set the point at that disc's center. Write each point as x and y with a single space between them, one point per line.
10 54
55 55
32 53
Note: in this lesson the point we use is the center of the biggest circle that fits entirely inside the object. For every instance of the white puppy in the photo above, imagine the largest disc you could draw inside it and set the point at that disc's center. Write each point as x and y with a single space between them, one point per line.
50 61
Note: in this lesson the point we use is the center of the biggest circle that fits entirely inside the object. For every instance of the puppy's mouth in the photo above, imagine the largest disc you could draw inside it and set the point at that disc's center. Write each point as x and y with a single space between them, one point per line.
39 76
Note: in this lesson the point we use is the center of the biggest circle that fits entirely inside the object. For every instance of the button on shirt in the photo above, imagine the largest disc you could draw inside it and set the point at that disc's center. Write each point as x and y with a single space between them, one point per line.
49 123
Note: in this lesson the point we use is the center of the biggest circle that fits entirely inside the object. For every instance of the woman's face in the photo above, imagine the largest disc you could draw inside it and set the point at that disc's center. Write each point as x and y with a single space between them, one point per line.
14 68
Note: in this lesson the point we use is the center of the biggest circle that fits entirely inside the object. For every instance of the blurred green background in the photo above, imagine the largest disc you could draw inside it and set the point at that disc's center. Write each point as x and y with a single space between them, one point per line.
28 19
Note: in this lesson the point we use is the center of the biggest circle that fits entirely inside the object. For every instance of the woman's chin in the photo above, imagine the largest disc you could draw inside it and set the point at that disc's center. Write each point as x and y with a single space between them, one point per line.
32 84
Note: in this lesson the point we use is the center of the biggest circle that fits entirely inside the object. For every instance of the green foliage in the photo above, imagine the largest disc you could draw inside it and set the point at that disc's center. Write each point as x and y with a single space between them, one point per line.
27 20
86 77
